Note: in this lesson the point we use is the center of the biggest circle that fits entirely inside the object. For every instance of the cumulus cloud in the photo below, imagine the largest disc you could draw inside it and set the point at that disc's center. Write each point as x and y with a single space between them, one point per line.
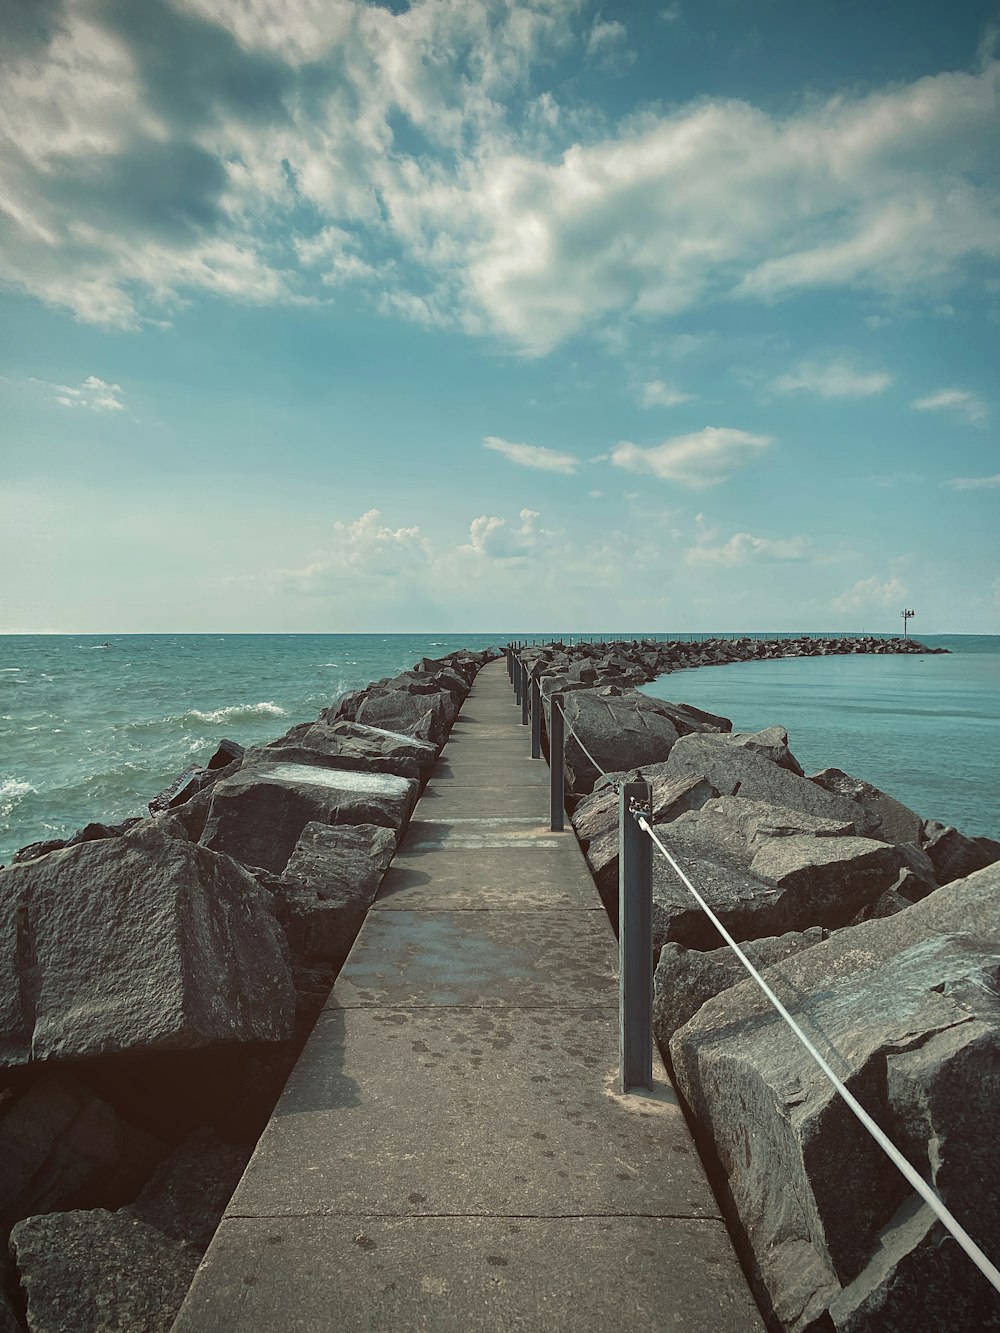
496 539
704 458
655 393
393 144
872 594
743 547
836 379
94 393
974 483
960 402
533 455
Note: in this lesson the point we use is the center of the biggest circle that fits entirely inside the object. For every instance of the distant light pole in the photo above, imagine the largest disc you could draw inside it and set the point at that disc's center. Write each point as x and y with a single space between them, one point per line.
906 616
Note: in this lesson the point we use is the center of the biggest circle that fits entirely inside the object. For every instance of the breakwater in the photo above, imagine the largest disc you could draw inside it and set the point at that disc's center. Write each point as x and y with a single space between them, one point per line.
876 926
159 979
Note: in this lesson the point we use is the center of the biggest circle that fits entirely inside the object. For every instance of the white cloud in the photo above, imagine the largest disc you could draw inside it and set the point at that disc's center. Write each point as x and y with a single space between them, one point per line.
743 547
704 458
655 393
836 379
961 402
872 594
495 539
533 455
974 483
96 394
122 198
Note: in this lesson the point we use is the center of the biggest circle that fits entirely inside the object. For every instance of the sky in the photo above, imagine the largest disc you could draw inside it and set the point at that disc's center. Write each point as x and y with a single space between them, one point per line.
463 315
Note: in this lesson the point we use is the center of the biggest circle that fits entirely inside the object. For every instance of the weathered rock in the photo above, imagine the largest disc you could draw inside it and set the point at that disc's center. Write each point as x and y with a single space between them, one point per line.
135 943
36 849
426 716
258 815
734 769
227 753
686 978
328 885
352 746
770 743
908 1005
620 731
100 1272
62 1147
887 818
188 1193
186 785
952 854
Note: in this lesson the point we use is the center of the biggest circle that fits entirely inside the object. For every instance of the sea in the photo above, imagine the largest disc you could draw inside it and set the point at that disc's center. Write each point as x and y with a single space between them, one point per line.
91 728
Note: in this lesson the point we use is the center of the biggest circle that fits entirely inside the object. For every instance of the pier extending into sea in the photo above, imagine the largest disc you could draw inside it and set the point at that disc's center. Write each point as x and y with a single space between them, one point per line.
452 1151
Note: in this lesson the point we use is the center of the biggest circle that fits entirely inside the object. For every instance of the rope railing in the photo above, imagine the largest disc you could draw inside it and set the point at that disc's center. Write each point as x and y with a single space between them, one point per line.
636 952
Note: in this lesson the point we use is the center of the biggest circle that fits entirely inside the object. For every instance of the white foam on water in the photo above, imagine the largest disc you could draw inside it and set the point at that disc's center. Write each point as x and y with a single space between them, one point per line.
12 792
237 712
341 779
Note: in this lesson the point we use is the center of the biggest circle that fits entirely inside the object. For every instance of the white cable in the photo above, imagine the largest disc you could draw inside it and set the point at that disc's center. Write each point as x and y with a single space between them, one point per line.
988 1269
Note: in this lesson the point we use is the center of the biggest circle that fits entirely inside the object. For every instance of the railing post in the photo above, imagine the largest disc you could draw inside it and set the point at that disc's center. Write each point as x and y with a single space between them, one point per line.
517 679
510 662
557 792
635 939
524 695
536 719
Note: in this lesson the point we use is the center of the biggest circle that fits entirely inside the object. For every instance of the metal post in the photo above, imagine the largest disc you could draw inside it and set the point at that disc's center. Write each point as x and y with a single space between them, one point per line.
517 680
524 695
557 793
510 662
635 940
536 720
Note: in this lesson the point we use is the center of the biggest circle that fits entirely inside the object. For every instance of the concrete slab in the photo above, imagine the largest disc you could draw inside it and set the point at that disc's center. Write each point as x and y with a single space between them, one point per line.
450 800
469 881
469 1275
472 958
472 1111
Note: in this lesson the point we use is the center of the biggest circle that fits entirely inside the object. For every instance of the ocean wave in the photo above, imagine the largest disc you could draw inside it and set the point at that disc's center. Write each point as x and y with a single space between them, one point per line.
237 713
12 792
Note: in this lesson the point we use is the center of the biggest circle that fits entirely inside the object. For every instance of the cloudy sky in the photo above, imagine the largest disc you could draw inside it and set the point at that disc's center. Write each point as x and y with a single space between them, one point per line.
320 315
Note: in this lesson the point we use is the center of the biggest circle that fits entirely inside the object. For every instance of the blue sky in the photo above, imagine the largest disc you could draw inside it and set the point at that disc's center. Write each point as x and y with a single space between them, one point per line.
461 315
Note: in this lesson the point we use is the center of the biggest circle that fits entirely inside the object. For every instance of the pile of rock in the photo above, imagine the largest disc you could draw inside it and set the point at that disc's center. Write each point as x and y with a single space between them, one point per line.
158 981
879 930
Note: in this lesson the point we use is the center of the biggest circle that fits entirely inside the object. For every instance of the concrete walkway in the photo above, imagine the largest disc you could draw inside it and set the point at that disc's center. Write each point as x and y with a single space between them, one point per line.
450 1152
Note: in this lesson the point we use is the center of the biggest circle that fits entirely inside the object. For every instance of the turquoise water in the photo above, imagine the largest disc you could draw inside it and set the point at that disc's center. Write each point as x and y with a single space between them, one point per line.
92 732
924 728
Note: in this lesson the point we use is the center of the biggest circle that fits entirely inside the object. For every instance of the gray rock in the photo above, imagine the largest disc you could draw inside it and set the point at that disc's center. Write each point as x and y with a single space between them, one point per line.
887 818
258 815
426 716
328 885
907 1008
735 769
137 943
188 1193
952 854
686 978
620 731
352 746
63 1147
100 1272
770 743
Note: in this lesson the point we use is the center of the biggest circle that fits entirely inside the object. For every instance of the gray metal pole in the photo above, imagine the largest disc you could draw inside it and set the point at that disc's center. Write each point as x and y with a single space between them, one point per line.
517 680
635 940
510 662
524 695
557 793
536 720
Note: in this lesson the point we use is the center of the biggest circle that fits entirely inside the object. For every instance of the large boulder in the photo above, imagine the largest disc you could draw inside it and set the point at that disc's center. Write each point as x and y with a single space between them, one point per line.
739 769
954 855
906 1010
621 731
352 746
426 716
187 1194
136 943
91 1271
63 1147
686 978
788 884
258 815
886 818
329 883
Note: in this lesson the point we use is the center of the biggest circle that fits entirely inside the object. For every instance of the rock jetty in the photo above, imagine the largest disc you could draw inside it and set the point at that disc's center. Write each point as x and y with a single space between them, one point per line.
158 980
879 930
